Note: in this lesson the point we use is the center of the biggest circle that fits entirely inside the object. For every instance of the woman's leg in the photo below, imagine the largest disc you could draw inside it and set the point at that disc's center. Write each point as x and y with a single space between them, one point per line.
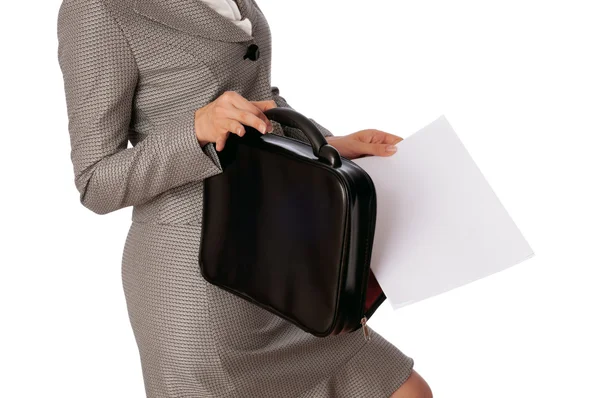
414 387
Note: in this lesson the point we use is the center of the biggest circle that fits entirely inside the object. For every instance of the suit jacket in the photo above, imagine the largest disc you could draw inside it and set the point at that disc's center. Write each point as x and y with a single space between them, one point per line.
137 70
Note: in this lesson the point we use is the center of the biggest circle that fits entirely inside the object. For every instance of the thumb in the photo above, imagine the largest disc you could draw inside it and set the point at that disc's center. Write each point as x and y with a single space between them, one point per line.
377 149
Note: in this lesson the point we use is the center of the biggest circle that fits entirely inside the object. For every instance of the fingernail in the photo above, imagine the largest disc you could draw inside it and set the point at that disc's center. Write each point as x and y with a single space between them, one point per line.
263 128
270 127
391 148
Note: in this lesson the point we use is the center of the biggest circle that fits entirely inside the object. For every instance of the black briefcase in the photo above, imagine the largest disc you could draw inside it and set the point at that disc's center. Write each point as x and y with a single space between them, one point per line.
289 227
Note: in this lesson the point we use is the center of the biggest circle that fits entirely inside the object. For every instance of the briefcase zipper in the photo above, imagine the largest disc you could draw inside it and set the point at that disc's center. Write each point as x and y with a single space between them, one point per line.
365 328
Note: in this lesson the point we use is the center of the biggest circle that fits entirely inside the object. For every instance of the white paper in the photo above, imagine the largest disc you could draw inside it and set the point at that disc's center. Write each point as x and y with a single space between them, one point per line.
439 223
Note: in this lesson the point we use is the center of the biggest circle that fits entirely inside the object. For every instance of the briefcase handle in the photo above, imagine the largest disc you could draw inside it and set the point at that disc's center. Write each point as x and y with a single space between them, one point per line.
292 118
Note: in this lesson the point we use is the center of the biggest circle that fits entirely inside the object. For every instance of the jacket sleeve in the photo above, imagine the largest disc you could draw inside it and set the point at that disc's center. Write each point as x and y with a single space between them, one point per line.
292 131
100 77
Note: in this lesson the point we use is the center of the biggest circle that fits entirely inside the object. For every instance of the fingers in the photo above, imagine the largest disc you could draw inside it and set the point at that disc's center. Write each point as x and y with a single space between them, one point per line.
235 127
381 137
220 143
243 104
228 114
392 139
247 118
265 105
375 149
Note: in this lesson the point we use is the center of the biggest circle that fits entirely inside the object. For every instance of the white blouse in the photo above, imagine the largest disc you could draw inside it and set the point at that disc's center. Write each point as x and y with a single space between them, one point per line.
230 10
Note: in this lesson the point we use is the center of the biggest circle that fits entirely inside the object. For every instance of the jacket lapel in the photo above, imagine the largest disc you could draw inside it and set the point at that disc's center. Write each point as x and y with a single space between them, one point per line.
196 18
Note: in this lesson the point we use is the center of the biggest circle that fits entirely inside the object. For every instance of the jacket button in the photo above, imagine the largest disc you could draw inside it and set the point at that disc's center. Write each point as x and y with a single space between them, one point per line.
252 52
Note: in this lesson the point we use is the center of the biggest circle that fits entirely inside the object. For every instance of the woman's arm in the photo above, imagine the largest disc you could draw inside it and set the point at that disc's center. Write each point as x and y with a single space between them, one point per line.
100 77
292 131
352 146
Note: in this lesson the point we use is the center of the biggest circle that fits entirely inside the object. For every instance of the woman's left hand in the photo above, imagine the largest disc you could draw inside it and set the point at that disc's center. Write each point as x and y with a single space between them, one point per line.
365 142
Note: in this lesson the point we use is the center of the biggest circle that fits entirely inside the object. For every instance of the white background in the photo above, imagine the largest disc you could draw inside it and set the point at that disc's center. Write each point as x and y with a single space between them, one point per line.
518 81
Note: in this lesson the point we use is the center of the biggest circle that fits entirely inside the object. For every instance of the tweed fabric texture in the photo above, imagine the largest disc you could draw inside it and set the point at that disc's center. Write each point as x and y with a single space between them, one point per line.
134 72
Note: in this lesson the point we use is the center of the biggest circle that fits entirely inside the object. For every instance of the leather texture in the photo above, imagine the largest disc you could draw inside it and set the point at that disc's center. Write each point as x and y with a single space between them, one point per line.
272 208
134 73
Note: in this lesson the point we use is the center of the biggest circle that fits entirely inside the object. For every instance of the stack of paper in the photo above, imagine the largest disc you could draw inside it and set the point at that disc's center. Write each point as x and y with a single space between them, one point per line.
439 223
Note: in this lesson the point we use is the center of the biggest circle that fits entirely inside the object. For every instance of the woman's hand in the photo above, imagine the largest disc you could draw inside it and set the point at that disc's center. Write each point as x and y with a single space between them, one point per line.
365 142
214 121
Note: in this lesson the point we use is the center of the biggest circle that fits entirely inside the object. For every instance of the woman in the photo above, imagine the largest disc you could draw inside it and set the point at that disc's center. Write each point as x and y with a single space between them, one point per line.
176 77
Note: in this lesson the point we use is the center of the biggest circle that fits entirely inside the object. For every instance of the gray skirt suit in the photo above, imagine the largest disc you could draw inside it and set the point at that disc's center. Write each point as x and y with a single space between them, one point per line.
136 71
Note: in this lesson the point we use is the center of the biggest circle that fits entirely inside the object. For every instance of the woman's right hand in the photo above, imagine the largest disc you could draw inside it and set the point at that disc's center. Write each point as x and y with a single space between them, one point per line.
214 121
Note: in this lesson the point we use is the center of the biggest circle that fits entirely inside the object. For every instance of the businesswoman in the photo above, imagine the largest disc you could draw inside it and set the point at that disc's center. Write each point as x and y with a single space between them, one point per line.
175 78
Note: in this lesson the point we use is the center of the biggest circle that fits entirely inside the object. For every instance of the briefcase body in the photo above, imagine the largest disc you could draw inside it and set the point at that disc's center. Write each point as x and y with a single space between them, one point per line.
289 227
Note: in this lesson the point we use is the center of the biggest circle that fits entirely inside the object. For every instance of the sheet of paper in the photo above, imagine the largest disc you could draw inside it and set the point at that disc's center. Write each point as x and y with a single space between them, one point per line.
439 223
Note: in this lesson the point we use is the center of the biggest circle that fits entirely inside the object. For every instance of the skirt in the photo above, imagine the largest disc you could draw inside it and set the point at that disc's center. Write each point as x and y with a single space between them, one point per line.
198 340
